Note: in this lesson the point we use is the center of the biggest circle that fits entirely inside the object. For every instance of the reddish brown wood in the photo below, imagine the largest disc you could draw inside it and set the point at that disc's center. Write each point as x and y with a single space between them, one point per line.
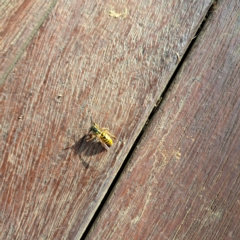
183 180
19 21
82 63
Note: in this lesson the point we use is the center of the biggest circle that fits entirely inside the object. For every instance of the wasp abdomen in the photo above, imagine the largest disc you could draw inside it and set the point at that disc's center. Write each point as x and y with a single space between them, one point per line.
106 139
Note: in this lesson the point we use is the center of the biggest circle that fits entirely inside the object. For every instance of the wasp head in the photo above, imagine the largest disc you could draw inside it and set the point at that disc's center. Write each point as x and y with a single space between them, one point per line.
94 129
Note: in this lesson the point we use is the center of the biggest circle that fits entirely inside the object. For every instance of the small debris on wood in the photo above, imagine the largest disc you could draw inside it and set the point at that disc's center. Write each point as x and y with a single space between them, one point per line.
178 56
158 101
113 13
58 98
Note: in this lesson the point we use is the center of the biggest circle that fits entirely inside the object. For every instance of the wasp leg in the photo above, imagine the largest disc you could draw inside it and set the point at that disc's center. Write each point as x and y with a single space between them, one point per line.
107 132
91 137
104 145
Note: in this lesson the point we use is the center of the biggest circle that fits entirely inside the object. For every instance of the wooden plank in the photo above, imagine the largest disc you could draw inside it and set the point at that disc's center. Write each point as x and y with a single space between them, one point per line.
20 20
183 180
91 58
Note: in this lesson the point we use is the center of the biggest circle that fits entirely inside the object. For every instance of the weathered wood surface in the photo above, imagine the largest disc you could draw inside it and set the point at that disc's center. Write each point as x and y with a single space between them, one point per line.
183 181
82 63
19 21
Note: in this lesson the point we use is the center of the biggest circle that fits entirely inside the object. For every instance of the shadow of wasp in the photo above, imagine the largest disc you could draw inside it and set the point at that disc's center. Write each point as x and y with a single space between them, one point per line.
102 135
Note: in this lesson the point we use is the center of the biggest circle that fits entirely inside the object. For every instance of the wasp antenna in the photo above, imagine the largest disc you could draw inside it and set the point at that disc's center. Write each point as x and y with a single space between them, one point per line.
91 120
79 127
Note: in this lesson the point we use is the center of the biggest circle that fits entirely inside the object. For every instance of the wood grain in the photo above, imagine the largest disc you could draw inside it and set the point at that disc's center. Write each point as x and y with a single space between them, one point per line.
101 59
183 180
19 21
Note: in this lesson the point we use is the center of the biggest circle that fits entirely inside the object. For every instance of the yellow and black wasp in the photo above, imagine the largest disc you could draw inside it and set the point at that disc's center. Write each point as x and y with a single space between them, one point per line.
101 134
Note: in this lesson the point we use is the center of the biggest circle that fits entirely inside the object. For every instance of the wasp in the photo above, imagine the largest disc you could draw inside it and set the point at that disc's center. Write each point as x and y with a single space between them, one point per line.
101 134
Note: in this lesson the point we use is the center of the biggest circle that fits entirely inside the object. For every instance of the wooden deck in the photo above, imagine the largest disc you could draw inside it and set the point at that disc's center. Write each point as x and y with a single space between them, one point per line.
163 76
